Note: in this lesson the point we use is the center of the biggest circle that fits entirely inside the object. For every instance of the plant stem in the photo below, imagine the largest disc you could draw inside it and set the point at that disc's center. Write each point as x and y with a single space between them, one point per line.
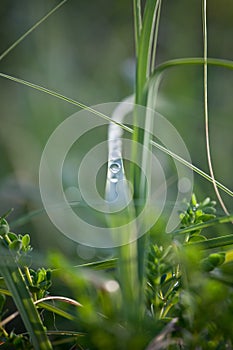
206 112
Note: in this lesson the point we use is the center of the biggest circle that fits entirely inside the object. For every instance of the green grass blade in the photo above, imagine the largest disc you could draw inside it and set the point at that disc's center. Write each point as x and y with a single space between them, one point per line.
153 56
41 304
5 292
64 98
143 70
56 310
16 285
137 22
190 61
209 223
18 41
145 48
213 243
96 265
101 265
206 110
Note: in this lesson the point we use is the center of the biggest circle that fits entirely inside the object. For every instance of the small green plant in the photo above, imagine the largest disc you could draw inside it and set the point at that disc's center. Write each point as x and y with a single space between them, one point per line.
28 289
180 272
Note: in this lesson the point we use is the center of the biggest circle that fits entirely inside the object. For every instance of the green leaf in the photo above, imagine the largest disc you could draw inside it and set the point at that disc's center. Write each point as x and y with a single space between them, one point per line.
15 245
41 275
197 238
206 217
25 241
12 236
194 200
4 227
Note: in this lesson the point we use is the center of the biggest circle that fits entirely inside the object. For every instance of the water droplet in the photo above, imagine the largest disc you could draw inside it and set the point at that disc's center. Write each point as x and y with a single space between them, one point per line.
114 179
115 168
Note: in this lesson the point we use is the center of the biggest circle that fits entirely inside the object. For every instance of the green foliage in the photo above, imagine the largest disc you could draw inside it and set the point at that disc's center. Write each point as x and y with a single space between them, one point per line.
184 285
163 281
197 213
15 341
187 283
39 282
13 249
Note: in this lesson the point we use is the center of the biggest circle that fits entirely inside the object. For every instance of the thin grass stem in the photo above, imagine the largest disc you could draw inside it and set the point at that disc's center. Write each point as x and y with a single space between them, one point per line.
154 51
206 111
137 22
64 98
37 24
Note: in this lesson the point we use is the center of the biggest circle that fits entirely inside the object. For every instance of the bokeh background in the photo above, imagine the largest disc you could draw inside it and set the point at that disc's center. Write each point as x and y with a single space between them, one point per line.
86 51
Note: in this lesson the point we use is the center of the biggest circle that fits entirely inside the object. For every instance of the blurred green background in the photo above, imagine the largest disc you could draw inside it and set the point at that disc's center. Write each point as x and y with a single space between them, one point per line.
86 51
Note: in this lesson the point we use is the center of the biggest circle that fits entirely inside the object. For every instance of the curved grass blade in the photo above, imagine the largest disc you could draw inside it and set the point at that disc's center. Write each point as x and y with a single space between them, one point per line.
64 98
218 62
155 79
206 110
42 303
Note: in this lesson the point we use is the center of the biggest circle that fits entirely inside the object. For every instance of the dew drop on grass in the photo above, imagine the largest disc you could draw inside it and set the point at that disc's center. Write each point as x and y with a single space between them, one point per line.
115 168
114 179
